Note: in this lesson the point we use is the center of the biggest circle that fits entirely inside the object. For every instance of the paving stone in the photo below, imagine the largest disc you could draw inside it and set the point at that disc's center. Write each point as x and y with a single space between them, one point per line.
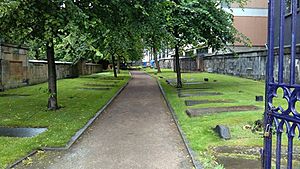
20 132
212 110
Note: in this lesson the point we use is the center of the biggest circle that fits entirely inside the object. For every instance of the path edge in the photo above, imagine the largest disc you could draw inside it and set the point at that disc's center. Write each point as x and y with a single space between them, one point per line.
191 153
79 133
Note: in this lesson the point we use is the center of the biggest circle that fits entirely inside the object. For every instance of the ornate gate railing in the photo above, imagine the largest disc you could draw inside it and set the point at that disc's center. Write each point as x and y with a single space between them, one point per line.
281 123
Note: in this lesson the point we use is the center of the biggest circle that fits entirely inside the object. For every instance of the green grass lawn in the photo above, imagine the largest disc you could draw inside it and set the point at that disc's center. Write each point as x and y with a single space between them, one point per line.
78 106
199 129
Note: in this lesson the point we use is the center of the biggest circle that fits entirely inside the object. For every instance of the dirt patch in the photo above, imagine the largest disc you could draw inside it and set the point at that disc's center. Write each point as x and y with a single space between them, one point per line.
213 110
103 88
199 94
196 102
20 132
14 95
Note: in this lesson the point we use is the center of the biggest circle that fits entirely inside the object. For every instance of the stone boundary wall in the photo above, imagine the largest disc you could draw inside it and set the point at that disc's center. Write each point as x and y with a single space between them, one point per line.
249 64
17 70
186 64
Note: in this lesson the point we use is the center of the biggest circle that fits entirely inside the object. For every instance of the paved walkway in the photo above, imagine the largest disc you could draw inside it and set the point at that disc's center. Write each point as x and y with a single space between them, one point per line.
135 132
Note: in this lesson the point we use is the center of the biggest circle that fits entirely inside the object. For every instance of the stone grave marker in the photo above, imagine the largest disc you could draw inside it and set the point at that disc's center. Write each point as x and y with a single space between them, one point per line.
223 132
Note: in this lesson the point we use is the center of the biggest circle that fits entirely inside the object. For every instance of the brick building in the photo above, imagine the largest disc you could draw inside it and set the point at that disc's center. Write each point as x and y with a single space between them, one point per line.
252 21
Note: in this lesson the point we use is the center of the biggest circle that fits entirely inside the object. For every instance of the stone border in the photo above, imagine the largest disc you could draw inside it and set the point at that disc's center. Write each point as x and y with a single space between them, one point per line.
191 153
77 135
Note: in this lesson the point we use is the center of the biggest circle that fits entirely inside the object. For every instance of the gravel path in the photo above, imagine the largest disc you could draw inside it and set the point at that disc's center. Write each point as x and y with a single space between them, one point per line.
135 132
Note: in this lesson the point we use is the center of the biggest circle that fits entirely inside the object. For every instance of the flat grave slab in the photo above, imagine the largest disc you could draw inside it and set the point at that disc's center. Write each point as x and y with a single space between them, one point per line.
214 110
173 82
196 102
100 85
102 88
20 132
112 78
192 89
238 163
90 77
193 83
14 95
199 94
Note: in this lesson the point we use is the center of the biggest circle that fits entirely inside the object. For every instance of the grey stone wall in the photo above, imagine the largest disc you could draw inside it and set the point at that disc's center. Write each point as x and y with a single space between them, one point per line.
244 64
16 70
248 64
251 64
186 64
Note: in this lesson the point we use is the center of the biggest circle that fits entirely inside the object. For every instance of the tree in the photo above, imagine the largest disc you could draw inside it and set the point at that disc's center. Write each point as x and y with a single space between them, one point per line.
154 25
120 22
41 21
198 22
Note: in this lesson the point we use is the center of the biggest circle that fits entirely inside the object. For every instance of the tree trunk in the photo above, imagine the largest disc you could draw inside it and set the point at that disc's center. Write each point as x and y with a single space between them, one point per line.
174 64
156 61
52 85
179 83
114 65
118 64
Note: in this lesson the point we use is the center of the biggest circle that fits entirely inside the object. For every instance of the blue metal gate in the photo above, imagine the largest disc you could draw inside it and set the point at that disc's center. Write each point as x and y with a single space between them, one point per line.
281 75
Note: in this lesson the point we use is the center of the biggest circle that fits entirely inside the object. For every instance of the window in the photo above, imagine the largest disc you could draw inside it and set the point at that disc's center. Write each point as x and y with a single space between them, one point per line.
288 6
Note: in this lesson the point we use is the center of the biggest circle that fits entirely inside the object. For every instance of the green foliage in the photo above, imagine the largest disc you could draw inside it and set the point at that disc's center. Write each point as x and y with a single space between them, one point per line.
78 106
94 29
202 23
199 129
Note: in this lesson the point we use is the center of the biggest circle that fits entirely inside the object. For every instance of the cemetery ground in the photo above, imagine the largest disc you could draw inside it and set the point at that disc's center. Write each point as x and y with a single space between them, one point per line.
79 98
208 95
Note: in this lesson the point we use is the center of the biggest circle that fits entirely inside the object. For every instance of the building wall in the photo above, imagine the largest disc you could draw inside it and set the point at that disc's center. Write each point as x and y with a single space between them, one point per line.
16 70
253 4
254 27
251 20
